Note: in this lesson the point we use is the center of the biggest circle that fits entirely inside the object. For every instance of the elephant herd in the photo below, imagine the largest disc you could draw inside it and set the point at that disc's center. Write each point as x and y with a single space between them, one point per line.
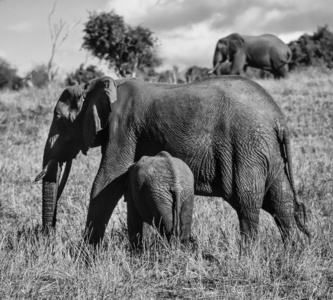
232 56
235 53
162 144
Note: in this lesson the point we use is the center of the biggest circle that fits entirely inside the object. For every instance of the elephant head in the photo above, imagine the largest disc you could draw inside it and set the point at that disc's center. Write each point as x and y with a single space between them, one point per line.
225 50
80 115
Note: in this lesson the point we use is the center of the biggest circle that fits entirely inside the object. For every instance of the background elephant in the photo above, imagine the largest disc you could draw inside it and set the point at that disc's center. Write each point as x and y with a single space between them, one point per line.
265 52
159 191
195 73
224 68
227 129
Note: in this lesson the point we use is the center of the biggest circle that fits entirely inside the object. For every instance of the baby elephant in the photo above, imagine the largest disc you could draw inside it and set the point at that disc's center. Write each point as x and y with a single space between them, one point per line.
160 192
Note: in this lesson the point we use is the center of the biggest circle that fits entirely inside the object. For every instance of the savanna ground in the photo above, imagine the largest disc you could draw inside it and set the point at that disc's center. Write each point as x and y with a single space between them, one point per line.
34 267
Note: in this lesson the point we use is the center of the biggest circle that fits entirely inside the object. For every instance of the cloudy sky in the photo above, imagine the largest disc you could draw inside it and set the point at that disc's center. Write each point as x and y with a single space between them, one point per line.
187 29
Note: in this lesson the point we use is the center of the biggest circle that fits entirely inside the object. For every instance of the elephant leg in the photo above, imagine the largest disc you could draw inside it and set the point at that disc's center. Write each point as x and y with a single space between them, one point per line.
279 203
163 214
284 71
277 74
100 210
250 189
248 221
163 225
238 63
135 226
280 71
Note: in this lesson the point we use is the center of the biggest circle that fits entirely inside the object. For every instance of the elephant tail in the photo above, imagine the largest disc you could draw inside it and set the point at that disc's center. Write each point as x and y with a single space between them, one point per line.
175 190
300 210
176 193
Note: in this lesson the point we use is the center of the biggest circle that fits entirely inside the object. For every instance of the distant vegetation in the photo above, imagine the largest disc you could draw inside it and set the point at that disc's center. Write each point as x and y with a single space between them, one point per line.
82 75
313 50
9 79
8 76
132 51
124 47
39 76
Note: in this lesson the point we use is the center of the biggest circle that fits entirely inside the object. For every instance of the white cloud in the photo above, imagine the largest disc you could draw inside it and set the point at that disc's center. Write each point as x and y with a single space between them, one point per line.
133 11
189 29
20 27
250 16
194 48
182 45
290 36
271 15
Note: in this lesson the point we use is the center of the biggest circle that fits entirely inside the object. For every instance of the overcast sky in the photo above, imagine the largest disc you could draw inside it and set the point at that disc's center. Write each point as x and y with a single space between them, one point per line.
187 29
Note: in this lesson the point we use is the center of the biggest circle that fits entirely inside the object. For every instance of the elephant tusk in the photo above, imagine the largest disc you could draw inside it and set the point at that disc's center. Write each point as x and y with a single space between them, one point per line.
64 178
42 174
210 72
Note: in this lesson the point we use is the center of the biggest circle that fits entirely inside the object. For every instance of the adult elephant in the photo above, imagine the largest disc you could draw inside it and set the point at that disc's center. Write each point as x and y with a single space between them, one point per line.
266 52
227 129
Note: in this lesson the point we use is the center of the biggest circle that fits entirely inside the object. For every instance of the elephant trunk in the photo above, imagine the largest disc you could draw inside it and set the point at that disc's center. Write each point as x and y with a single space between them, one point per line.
52 185
218 58
50 192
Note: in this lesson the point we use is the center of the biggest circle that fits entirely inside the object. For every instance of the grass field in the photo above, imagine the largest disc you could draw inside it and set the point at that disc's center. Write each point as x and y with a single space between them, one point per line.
34 267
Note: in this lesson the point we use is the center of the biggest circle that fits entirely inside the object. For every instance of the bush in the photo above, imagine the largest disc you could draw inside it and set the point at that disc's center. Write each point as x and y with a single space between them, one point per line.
39 76
82 75
313 50
8 76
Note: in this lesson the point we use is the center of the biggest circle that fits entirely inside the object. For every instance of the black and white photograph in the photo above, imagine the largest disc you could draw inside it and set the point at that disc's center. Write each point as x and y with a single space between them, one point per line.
166 149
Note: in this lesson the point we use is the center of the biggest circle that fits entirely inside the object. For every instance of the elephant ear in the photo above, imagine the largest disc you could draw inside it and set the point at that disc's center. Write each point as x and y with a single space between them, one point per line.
222 44
236 42
100 94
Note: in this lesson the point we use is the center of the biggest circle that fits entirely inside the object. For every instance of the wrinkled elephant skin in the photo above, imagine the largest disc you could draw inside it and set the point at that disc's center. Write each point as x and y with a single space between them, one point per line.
227 129
160 192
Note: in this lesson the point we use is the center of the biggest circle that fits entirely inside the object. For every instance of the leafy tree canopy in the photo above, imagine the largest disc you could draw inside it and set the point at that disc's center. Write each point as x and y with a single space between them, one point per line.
124 47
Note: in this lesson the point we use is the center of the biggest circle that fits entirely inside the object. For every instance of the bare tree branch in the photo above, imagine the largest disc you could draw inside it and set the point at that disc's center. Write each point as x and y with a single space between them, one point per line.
56 30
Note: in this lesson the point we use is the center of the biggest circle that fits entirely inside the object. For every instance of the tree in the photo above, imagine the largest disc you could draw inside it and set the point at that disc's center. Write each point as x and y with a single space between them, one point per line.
58 36
82 75
125 48
39 75
8 77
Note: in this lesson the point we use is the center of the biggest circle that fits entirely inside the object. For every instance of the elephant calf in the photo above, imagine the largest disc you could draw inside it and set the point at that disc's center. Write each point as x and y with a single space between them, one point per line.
160 192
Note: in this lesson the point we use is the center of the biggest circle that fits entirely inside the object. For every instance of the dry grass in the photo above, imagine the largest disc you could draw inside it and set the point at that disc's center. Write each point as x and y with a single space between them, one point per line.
33 267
